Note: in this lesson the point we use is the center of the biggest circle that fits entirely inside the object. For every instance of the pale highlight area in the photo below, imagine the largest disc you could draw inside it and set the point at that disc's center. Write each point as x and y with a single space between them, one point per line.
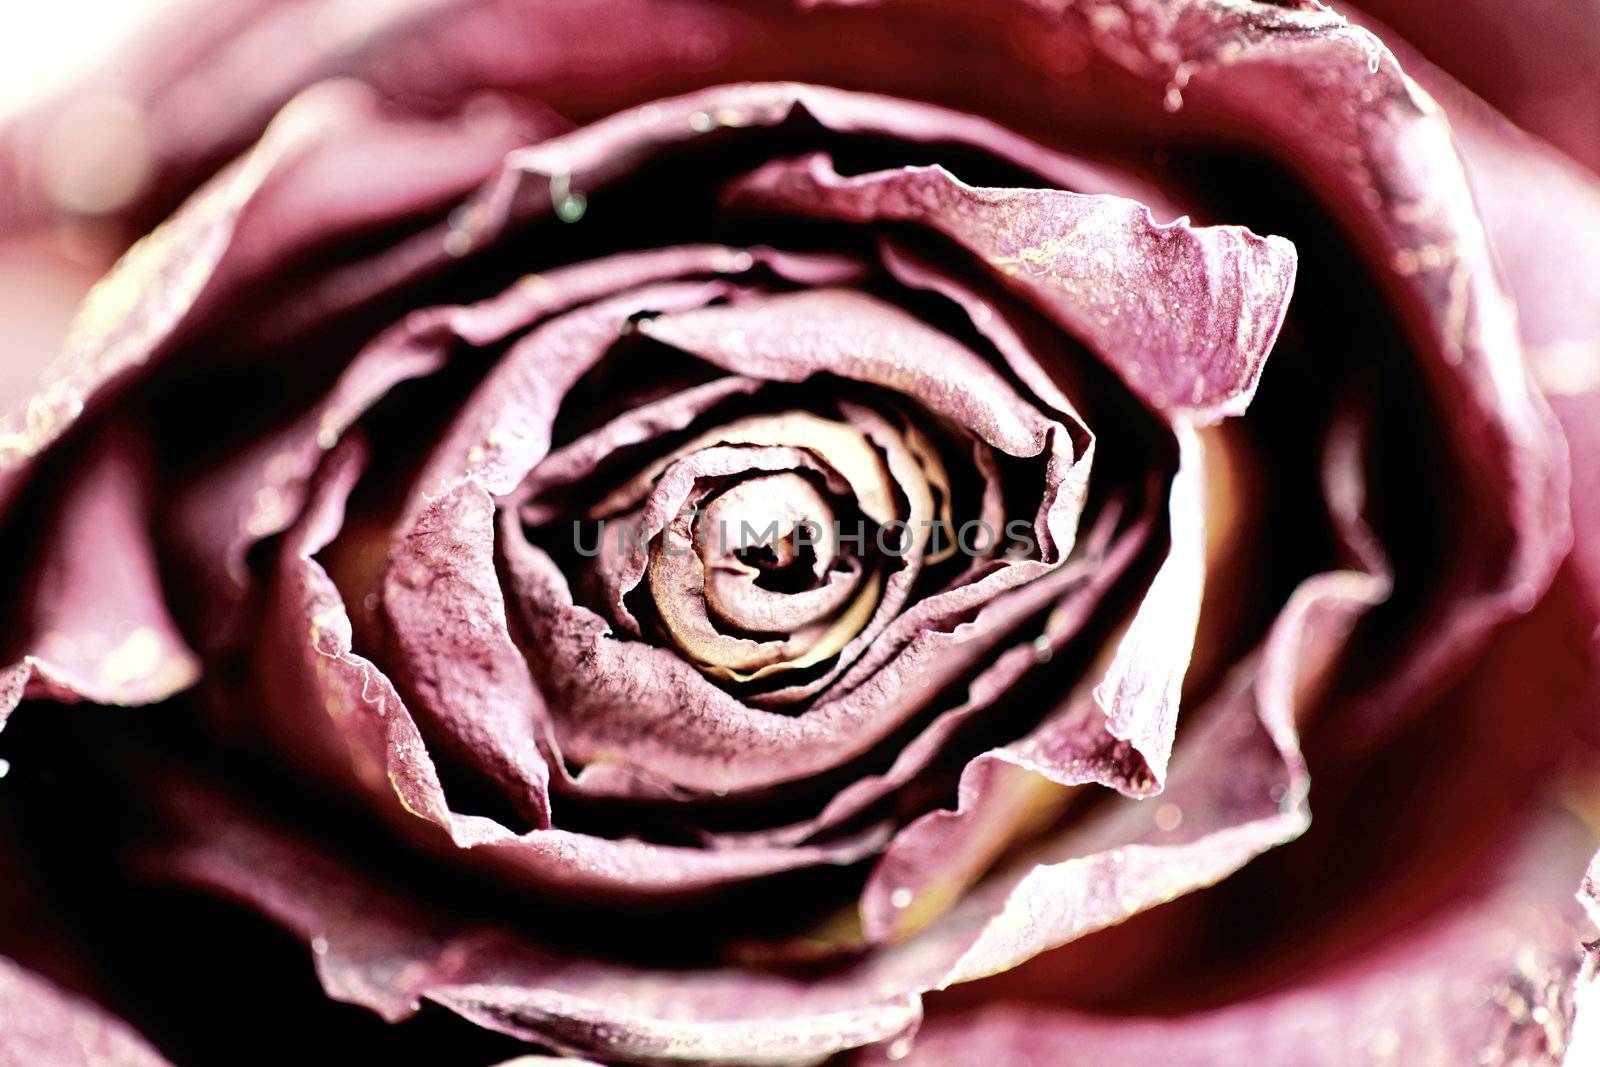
40 288
44 47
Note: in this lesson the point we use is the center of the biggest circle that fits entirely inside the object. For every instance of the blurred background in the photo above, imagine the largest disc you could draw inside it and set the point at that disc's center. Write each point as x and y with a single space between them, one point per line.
44 45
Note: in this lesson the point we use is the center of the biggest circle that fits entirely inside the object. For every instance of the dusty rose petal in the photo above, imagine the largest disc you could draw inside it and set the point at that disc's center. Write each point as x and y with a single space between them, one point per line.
789 337
1542 215
1241 790
1330 100
95 624
47 1027
1535 64
1489 983
442 600
538 178
372 948
504 429
1139 693
458 658
1186 315
307 180
986 318
376 948
568 465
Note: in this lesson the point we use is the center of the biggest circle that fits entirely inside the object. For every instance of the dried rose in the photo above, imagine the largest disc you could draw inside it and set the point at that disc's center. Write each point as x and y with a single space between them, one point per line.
695 527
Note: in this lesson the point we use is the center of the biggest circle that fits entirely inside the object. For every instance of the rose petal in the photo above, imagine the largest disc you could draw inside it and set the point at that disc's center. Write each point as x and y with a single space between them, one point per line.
791 336
1186 315
95 624
1542 214
373 947
1329 100
538 177
1139 693
442 600
1078 590
1535 66
1241 792
250 218
46 1027
1488 983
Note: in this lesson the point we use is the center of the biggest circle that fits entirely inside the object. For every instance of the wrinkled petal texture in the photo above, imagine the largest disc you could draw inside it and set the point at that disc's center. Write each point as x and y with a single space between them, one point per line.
417 431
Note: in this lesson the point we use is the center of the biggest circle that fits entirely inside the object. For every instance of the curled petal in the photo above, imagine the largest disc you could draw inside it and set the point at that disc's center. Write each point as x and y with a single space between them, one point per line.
625 558
1329 100
443 603
1488 983
1185 314
679 586
1077 590
538 178
96 625
731 587
505 428
1140 690
375 948
1542 215
1241 790
790 337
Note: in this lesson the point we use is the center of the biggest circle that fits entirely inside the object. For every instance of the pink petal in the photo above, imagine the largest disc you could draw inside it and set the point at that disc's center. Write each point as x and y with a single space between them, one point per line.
47 1027
1186 315
95 624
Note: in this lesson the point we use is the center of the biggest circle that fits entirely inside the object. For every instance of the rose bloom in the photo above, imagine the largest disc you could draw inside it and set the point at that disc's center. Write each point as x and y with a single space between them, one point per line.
1170 427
